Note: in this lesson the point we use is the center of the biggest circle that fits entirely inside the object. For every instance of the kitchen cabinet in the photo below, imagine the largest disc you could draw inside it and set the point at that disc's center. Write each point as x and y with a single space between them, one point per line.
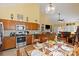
5 23
8 24
20 23
11 24
32 26
35 26
9 42
28 26
29 39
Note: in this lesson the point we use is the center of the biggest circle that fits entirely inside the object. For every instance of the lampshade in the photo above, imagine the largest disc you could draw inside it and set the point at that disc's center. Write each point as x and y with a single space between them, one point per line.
72 32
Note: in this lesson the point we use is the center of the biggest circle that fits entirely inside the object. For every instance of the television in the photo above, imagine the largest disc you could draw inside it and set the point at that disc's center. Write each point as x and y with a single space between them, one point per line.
47 26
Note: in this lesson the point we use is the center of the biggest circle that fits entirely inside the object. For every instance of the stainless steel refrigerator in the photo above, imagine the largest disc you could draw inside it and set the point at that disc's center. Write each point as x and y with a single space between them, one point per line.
1 34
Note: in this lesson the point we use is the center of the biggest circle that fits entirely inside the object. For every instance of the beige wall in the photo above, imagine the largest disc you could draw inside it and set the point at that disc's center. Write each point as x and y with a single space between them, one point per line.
44 19
30 10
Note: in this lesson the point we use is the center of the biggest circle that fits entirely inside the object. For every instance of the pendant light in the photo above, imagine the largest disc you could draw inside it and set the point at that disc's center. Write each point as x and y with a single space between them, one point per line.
50 8
59 19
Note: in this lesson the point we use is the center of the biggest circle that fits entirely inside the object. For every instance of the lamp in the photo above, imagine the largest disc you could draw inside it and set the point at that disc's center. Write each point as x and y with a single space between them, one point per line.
59 19
72 32
50 8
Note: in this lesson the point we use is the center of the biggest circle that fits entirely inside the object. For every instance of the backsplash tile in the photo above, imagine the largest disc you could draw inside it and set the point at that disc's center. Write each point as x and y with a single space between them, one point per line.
7 32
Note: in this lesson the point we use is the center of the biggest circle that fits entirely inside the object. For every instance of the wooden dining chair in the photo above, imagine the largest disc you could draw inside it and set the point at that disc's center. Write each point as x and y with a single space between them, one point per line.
76 50
29 48
21 52
18 53
26 52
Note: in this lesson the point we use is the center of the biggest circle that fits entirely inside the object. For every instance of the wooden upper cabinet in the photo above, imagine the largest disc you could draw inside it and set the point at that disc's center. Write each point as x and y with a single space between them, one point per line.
5 23
20 23
28 25
35 26
32 26
8 24
11 24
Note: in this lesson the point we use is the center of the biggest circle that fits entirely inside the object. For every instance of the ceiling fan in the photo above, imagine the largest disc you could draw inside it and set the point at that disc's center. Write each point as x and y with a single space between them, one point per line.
60 18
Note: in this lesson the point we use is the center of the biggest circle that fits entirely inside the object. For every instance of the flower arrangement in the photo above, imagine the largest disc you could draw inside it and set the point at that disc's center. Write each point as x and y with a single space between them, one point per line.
51 43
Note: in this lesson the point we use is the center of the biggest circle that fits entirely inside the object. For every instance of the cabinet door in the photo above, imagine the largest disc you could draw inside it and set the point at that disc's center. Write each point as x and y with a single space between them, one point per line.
5 24
12 25
29 39
35 26
29 26
8 24
32 26
20 23
13 42
9 42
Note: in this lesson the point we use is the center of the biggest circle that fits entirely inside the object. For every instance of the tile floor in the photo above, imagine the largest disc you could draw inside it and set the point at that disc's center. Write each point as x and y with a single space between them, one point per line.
11 52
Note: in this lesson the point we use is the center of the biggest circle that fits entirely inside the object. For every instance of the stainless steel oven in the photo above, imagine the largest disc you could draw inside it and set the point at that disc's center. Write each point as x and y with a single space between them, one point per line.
20 36
20 40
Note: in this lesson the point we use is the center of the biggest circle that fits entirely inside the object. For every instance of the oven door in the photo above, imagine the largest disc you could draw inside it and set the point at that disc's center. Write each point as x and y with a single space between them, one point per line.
20 39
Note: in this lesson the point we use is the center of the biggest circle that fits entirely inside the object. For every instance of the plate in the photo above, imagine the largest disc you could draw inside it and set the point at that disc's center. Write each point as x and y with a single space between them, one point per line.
66 48
57 53
36 53
53 48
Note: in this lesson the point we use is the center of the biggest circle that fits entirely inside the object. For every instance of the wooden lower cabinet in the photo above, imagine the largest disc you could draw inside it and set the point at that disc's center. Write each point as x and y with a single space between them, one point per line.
9 42
29 39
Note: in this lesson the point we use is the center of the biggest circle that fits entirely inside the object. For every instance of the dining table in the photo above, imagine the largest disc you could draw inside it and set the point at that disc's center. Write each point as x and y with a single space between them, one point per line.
44 49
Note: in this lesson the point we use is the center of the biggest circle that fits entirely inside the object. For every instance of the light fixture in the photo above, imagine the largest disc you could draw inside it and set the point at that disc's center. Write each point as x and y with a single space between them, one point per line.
59 19
50 8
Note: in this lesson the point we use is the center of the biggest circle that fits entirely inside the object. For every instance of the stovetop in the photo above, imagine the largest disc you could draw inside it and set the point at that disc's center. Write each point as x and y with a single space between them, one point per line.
20 34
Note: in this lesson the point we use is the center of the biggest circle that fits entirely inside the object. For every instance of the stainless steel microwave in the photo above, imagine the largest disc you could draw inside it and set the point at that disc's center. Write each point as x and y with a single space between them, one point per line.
20 27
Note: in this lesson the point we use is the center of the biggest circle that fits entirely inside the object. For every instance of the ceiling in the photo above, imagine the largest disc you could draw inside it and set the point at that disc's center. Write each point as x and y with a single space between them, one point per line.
69 11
